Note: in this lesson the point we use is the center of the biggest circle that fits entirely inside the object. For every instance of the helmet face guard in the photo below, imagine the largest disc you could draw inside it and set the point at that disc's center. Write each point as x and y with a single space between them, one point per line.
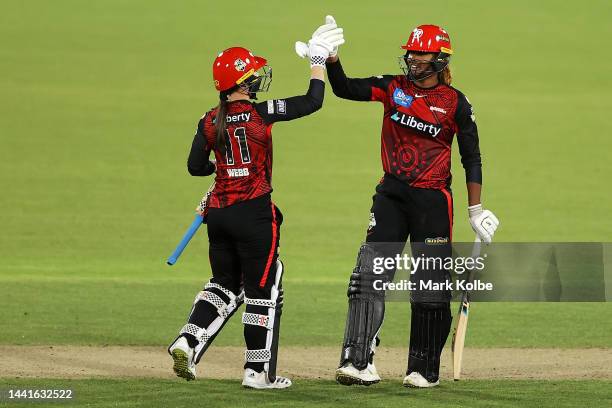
412 66
258 81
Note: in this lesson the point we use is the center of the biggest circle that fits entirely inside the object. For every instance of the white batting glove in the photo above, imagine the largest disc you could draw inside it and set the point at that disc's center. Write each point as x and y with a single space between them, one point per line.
334 51
319 52
333 36
322 45
483 222
329 34
301 49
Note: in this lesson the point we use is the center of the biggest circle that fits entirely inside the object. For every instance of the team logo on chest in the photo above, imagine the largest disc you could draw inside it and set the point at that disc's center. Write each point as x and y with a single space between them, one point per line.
400 98
412 122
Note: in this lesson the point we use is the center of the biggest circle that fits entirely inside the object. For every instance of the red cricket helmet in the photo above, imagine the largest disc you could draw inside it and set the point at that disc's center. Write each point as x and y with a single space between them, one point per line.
236 66
428 38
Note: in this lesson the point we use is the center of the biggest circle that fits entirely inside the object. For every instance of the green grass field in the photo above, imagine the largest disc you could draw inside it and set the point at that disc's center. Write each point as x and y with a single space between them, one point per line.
141 393
99 104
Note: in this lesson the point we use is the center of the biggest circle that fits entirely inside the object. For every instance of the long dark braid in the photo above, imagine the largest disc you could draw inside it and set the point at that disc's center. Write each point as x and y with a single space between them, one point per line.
221 122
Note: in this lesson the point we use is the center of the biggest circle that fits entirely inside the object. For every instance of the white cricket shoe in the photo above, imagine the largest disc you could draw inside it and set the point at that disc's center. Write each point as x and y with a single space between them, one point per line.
416 380
253 379
349 375
182 354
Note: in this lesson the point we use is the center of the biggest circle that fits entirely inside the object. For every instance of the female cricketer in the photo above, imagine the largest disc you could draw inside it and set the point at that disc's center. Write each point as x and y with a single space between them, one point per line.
243 222
422 114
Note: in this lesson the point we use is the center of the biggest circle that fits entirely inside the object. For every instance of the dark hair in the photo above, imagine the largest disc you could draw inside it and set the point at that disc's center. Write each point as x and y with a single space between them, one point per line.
220 124
221 119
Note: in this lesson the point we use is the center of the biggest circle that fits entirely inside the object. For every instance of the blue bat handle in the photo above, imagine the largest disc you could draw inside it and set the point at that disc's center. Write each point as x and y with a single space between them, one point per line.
193 228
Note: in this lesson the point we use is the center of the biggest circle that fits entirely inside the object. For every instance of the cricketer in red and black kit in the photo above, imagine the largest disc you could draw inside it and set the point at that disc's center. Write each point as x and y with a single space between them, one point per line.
243 222
422 114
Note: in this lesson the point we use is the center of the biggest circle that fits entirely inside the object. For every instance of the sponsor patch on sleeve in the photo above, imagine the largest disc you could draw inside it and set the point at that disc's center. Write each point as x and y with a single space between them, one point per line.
270 107
281 106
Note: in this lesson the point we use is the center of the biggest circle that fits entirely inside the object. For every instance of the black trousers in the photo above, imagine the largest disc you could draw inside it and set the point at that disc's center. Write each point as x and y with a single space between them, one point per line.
425 216
243 251
243 248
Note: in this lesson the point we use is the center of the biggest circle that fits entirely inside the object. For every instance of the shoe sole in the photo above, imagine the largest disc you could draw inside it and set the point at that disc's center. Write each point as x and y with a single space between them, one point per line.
345 379
250 387
258 387
181 365
409 385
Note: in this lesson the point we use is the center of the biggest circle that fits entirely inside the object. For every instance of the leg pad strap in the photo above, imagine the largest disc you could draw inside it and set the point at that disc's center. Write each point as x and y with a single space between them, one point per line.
255 319
258 356
198 332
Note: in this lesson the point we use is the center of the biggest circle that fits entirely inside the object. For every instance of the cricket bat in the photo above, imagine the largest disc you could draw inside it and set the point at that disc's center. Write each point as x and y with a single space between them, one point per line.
462 321
193 228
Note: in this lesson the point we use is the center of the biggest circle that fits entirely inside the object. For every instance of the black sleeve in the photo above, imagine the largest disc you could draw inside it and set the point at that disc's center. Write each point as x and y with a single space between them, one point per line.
279 110
198 163
357 89
467 138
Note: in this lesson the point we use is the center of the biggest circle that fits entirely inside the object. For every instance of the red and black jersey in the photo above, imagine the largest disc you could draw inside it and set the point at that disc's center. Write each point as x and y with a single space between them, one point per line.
244 172
418 127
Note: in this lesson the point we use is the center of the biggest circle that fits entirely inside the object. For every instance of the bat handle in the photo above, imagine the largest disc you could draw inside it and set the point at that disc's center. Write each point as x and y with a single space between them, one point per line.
193 228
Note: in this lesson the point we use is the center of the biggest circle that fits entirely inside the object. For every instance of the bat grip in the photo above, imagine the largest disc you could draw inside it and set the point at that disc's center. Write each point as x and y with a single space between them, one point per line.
193 228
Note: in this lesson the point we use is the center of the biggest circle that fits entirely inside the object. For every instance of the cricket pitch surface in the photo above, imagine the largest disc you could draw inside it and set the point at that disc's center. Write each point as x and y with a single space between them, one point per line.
297 362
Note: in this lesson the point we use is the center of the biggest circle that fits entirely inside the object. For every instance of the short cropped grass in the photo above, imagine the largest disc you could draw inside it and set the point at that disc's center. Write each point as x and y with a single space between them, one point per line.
216 393
115 312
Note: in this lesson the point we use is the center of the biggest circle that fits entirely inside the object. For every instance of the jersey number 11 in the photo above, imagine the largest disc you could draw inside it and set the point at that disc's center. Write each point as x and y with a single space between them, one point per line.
240 135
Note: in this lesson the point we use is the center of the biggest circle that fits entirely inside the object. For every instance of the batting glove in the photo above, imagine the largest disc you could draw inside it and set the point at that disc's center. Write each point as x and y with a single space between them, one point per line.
334 51
329 35
318 50
483 222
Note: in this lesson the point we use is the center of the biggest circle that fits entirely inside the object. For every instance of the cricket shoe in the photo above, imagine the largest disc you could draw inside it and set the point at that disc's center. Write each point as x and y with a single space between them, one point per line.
260 381
349 375
416 380
182 355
